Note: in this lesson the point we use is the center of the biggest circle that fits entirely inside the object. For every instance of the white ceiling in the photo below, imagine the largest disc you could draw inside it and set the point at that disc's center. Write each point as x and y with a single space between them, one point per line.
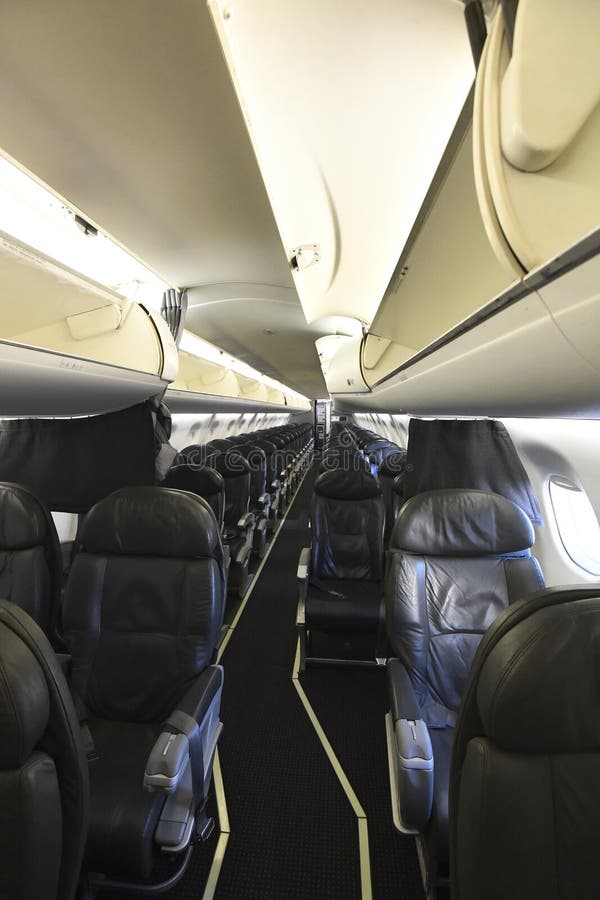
127 111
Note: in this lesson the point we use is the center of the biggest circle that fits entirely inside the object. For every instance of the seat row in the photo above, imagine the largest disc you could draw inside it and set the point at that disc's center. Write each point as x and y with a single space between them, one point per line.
456 559
340 576
108 746
248 480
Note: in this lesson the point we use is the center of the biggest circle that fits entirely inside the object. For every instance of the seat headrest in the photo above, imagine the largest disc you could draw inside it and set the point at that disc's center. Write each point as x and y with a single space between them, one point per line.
24 700
205 482
347 484
393 464
152 521
460 522
538 689
22 518
193 455
229 464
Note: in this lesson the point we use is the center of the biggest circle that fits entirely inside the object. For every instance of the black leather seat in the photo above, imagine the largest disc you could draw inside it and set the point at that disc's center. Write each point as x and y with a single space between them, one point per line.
204 481
274 467
238 522
143 609
30 560
391 468
44 787
340 575
457 559
260 498
525 784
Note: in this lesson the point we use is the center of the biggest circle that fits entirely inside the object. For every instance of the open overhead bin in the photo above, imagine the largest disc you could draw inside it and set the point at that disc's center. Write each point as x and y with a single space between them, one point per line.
537 131
206 384
69 346
502 262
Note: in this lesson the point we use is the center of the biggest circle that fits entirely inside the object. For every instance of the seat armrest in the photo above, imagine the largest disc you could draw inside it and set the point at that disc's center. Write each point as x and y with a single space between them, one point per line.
168 760
403 702
198 698
303 564
265 500
303 574
247 520
175 746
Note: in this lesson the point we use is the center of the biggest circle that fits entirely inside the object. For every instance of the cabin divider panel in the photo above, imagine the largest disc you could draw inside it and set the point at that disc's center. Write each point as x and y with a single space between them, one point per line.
72 463
478 454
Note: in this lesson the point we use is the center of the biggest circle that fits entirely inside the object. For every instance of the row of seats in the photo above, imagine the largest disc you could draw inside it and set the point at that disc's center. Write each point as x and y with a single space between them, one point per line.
472 728
491 731
115 768
340 576
248 480
108 773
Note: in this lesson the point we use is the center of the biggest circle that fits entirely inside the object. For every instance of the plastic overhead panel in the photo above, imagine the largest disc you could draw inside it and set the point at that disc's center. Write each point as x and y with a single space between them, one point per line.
69 346
537 131
328 94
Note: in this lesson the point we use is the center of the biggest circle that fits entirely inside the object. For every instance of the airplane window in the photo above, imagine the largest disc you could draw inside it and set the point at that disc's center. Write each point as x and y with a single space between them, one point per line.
577 523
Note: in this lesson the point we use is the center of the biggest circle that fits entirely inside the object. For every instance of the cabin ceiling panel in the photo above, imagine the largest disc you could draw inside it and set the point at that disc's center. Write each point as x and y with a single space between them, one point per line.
350 106
263 326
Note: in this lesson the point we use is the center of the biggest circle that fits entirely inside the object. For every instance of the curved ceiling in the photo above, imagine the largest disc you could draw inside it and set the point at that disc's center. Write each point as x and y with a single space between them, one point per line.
126 110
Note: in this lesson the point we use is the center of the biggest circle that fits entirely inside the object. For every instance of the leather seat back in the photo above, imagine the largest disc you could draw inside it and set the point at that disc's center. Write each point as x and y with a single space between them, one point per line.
257 462
144 601
235 472
273 460
525 782
347 519
44 788
391 468
457 559
30 563
205 482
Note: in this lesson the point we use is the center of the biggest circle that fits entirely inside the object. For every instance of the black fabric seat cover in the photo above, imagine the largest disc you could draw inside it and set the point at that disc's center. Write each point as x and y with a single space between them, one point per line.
30 567
44 789
457 559
526 769
143 609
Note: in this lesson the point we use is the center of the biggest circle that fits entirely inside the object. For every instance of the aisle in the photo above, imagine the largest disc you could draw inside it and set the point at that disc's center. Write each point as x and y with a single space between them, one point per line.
293 832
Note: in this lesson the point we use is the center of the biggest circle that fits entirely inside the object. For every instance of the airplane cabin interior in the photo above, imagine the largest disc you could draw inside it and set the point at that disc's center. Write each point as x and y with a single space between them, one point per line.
299 443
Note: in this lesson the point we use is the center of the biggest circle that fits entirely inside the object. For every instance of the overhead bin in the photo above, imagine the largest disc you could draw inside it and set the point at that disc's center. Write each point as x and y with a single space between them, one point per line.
70 346
493 306
202 384
204 377
537 131
532 353
446 271
343 145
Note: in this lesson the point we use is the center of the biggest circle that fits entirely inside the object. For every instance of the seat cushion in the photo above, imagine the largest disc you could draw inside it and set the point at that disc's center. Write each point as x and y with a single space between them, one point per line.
123 815
344 605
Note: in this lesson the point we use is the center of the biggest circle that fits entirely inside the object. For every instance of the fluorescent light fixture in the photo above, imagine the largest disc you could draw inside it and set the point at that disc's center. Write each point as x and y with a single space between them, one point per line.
197 346
36 217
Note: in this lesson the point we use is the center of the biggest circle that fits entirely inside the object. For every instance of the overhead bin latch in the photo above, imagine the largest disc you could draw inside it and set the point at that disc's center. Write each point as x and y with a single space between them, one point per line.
304 256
